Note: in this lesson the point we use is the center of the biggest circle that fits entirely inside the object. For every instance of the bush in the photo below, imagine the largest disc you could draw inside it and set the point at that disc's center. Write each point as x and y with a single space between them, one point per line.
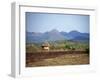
67 46
72 48
87 50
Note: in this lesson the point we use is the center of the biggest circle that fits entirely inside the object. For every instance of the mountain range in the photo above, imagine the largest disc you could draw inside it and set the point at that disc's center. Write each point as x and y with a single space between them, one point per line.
55 35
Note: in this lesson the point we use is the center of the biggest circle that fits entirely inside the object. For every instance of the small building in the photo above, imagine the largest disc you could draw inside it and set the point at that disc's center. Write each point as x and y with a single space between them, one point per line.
45 46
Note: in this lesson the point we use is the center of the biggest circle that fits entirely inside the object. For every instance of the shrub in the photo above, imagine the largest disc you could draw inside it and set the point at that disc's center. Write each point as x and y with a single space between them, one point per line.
87 50
72 48
67 46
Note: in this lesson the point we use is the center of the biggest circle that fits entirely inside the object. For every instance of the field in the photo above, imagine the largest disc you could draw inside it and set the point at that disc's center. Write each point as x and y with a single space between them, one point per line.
61 45
56 58
60 53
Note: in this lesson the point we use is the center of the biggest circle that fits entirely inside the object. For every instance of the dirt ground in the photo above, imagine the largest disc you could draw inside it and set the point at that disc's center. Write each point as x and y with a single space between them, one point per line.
57 58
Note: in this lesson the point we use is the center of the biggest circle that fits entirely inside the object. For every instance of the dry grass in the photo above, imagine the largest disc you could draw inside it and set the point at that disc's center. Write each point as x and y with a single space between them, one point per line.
56 59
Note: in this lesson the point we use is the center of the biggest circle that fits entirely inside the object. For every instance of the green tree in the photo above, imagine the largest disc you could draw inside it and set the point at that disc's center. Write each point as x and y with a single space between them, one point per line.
67 46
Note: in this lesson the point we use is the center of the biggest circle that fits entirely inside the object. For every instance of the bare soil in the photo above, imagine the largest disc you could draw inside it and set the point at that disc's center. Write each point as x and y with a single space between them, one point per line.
56 58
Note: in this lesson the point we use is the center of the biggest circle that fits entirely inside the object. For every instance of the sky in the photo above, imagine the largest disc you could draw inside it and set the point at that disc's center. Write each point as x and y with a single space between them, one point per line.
43 22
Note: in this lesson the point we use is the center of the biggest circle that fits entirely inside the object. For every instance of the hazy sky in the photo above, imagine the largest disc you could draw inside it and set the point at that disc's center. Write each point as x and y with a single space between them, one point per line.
42 22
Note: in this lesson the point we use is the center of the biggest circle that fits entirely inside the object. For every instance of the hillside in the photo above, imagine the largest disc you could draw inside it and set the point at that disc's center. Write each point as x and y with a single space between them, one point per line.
54 35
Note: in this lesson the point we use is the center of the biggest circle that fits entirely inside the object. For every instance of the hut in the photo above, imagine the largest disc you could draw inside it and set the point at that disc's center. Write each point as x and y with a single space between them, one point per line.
45 46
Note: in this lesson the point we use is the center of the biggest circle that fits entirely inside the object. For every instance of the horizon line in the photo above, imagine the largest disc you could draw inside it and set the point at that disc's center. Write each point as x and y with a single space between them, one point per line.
58 31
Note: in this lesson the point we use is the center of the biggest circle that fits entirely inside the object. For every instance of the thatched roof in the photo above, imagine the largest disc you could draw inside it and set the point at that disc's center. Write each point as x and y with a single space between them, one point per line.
46 44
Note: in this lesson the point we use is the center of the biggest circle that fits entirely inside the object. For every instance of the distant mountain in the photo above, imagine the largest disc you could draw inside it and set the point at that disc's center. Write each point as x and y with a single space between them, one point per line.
34 37
74 35
81 38
55 35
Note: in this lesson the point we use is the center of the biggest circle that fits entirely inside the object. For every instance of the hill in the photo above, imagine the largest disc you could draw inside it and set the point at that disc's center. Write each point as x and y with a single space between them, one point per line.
55 35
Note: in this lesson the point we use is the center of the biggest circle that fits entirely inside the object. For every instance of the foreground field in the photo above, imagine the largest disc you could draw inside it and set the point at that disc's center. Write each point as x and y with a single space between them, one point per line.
56 58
